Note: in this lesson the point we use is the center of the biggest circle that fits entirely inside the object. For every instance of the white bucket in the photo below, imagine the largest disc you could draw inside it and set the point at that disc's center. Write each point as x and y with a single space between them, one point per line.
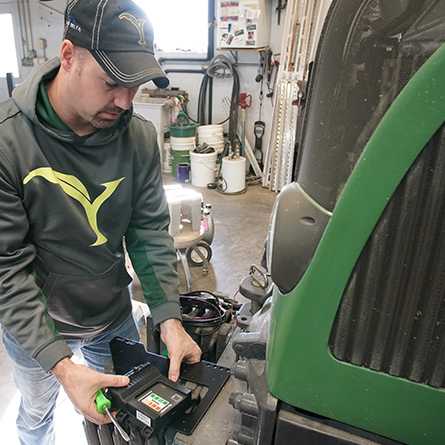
212 135
180 151
211 131
182 144
167 158
203 166
234 174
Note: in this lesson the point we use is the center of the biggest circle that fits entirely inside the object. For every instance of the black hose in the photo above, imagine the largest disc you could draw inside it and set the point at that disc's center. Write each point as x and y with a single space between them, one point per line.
221 67
212 315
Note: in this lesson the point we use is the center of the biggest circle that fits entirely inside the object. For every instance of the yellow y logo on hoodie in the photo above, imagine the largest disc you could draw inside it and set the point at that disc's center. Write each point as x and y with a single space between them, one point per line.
74 188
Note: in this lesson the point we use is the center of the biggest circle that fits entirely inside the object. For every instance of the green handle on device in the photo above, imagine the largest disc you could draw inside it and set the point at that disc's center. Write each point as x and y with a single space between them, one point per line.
102 402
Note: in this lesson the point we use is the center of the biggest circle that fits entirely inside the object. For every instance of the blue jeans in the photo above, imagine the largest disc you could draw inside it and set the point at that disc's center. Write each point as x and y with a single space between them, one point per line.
39 390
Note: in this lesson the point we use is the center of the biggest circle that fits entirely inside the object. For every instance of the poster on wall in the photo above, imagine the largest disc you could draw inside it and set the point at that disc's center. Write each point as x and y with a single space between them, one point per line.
239 24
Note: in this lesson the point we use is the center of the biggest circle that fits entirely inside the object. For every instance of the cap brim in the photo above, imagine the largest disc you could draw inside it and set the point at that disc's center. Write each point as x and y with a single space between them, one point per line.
131 69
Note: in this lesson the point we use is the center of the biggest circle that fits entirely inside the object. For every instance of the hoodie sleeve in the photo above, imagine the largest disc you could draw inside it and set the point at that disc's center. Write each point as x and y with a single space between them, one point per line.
22 304
147 240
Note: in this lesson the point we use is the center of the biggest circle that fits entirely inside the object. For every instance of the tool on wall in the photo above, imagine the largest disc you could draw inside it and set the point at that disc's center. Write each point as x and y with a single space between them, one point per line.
271 68
259 77
280 7
258 130
245 101
259 125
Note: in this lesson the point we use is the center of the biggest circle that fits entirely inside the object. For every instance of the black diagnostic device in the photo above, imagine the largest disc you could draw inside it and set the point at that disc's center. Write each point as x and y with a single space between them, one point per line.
150 401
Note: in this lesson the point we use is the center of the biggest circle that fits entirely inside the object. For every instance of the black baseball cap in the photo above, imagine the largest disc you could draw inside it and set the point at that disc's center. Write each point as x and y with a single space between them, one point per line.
119 36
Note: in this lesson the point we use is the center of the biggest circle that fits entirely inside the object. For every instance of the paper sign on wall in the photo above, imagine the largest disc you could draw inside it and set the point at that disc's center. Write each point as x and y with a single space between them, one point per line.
49 23
239 23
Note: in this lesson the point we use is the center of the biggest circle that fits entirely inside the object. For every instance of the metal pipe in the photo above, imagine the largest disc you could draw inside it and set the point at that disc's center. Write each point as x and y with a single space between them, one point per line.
211 34
24 40
10 83
188 71
210 85
246 64
211 53
25 22
30 25
181 60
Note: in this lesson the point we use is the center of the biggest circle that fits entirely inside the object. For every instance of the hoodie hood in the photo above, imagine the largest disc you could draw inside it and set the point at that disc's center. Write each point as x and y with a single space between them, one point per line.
25 98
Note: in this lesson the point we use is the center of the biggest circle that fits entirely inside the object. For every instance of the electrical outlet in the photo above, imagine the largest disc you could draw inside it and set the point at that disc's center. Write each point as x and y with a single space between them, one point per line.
27 61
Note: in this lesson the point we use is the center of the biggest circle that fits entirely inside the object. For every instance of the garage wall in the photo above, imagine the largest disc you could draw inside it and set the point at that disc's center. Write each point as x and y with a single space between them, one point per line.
51 26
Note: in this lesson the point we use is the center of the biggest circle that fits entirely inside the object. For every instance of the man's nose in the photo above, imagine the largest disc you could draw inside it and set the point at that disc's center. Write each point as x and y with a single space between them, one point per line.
124 97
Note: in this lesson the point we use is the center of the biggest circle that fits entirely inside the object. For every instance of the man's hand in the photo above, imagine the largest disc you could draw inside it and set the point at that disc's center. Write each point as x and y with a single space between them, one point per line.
82 384
181 348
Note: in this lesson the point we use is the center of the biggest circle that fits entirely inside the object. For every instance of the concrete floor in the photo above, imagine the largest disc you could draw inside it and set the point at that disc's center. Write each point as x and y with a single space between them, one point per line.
241 224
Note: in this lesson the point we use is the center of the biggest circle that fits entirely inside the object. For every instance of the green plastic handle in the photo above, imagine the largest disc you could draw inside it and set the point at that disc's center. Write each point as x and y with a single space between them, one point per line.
184 116
102 402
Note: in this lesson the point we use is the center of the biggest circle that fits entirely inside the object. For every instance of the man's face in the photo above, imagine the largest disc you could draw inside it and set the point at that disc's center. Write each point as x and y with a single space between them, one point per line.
96 101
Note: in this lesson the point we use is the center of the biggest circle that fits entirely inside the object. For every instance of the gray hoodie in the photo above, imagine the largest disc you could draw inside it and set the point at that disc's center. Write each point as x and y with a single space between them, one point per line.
66 203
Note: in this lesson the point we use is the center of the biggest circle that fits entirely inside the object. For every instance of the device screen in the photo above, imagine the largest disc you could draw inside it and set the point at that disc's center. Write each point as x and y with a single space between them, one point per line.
160 398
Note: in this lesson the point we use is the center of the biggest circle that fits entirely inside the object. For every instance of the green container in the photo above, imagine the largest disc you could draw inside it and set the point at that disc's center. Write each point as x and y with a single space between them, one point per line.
183 129
178 157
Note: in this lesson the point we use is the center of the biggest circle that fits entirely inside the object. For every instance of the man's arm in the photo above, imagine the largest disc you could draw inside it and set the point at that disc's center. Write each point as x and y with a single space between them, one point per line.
81 384
152 253
180 346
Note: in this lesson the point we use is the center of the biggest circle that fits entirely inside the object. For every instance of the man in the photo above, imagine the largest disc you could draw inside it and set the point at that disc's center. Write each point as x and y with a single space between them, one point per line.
78 173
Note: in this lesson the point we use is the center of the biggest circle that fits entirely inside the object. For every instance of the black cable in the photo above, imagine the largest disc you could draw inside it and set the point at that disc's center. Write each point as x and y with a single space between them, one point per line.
233 117
185 110
253 179
221 67
202 99
195 300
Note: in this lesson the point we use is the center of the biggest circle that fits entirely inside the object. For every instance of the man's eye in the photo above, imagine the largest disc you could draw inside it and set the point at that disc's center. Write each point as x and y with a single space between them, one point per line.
110 85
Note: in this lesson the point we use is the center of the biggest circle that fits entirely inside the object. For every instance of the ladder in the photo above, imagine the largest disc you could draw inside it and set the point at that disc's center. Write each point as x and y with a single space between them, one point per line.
304 20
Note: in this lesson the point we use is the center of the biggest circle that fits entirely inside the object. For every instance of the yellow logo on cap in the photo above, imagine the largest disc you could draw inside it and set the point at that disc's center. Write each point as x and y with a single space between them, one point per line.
139 23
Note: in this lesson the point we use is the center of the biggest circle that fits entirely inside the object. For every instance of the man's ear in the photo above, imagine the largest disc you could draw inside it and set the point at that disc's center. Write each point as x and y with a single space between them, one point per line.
67 55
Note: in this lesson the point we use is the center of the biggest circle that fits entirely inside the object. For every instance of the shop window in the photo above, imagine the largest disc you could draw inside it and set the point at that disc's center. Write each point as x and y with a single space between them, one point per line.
180 27
8 60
